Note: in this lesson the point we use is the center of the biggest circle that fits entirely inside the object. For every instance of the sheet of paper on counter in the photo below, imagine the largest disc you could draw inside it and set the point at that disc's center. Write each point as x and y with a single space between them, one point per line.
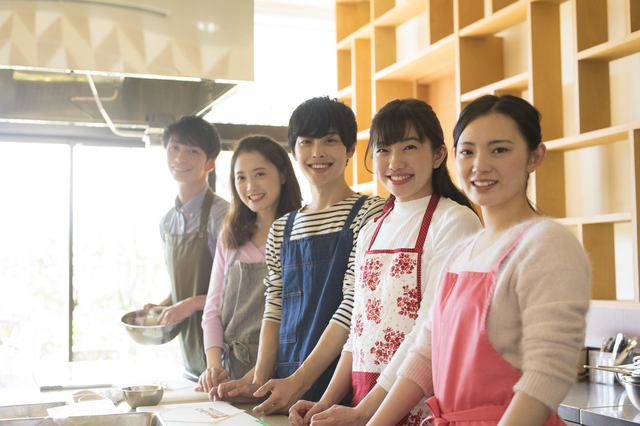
192 414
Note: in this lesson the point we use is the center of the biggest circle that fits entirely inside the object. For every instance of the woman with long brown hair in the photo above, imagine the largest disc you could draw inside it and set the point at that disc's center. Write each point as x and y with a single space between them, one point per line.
263 188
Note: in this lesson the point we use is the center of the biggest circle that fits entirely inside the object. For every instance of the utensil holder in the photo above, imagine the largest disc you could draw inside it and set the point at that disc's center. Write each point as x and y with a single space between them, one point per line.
601 358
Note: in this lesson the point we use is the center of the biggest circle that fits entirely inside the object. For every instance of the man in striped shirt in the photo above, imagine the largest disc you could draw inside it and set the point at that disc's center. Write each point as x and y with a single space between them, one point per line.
311 257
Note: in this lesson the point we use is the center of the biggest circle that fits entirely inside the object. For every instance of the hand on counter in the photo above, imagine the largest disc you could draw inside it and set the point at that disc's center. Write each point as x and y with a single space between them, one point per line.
301 412
211 378
337 415
235 391
284 393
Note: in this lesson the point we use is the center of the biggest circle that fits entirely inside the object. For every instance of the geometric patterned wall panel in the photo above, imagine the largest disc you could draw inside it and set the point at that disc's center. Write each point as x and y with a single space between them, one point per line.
210 39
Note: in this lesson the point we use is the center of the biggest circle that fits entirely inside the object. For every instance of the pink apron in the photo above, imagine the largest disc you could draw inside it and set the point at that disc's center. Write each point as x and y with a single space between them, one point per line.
473 384
387 300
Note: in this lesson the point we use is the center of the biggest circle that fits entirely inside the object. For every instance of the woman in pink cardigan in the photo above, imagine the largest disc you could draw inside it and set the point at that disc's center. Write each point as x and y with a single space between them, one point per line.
508 319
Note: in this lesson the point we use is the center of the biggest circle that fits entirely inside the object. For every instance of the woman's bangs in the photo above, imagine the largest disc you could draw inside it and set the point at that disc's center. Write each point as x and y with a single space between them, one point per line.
391 128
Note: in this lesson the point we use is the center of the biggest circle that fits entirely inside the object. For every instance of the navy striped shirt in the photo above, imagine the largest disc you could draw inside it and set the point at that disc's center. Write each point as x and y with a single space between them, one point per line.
307 224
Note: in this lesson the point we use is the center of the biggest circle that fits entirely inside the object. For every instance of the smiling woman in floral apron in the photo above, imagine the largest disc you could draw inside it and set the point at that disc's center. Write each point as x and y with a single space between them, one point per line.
509 315
263 188
398 258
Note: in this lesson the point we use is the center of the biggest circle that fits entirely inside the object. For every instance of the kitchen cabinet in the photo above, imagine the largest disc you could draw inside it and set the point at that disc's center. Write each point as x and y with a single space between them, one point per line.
449 52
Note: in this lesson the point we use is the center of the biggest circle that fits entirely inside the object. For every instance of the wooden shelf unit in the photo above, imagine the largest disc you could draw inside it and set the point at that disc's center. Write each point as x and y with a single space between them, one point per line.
463 58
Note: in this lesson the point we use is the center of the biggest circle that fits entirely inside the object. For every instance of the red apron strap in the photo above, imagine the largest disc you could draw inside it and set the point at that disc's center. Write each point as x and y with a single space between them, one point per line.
426 221
387 209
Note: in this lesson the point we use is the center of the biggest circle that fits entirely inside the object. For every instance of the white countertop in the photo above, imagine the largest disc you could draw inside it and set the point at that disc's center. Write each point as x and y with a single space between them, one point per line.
20 384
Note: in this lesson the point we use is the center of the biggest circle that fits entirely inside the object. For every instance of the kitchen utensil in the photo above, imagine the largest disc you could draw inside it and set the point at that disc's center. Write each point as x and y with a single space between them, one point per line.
143 327
616 345
609 345
633 391
626 352
145 395
622 370
76 396
86 398
71 387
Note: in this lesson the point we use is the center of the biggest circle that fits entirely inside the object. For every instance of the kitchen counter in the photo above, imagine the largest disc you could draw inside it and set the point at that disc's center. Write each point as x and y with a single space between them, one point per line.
593 404
589 404
20 383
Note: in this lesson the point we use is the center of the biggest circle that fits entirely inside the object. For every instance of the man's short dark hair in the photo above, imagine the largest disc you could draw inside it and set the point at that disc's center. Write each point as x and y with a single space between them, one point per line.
317 117
194 131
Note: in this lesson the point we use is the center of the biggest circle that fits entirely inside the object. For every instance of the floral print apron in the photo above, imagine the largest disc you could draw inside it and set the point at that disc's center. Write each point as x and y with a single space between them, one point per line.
387 299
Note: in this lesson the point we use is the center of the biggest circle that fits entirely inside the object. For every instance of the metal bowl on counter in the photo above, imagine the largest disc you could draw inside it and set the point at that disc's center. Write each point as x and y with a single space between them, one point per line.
143 327
143 396
632 386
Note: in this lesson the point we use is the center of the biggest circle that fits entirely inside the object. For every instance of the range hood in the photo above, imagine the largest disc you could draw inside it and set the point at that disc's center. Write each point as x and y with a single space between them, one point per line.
130 101
137 65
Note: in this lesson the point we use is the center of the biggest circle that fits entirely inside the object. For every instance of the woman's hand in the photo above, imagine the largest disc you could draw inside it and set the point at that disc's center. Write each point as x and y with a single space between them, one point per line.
235 391
301 412
210 379
339 415
284 393
177 313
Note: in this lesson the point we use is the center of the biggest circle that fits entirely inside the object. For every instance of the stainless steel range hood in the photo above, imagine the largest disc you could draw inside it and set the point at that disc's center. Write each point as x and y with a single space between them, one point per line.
131 102
152 61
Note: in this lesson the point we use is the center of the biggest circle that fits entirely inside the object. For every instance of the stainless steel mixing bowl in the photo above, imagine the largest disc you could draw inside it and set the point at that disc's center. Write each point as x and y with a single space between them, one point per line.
143 396
632 388
143 327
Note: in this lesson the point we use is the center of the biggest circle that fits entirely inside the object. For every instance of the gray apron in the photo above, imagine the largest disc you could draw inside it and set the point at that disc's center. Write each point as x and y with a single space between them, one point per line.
241 309
189 262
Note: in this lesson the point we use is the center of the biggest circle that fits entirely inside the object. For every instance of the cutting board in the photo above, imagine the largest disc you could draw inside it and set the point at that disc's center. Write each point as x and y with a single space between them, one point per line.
190 415
176 394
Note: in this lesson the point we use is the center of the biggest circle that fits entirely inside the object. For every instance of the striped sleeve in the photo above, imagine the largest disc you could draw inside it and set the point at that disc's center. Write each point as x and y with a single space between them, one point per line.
325 222
273 281
371 208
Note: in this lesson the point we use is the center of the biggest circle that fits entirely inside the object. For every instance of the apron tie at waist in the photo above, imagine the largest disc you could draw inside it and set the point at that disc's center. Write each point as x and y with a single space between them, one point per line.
240 350
483 413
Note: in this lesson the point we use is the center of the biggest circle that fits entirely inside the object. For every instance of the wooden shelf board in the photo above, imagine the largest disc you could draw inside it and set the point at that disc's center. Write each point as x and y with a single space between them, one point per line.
517 82
346 92
615 304
366 187
614 49
401 13
363 32
596 137
363 135
604 218
501 20
421 66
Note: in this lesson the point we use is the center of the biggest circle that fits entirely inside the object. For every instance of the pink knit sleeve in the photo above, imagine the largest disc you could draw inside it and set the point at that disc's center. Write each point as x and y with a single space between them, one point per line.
211 323
417 366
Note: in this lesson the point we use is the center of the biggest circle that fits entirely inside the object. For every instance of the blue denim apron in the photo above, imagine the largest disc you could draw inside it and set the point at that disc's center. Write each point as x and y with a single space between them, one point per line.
313 270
